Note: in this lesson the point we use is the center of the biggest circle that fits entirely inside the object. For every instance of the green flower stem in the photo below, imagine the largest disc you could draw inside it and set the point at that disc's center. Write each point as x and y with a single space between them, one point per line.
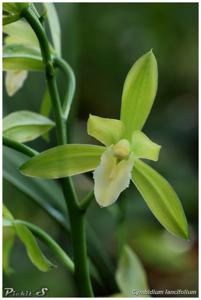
70 79
84 204
75 214
121 217
51 243
19 147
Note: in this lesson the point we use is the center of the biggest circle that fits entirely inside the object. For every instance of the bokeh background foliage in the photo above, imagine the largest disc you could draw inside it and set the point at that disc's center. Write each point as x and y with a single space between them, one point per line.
101 42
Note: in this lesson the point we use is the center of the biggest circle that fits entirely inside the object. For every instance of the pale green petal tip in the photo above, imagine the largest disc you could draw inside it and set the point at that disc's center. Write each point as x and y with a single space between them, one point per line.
143 147
157 152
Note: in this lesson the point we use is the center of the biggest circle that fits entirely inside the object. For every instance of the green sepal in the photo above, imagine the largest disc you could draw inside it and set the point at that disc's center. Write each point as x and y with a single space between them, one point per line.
32 248
21 57
107 131
62 161
23 126
130 274
143 147
161 198
139 92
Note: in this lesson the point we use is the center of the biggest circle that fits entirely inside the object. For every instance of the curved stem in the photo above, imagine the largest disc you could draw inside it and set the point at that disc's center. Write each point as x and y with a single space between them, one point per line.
19 147
71 84
50 242
75 214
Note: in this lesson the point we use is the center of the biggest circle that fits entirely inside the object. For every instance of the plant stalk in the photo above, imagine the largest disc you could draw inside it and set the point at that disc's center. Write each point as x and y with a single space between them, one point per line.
76 216
19 147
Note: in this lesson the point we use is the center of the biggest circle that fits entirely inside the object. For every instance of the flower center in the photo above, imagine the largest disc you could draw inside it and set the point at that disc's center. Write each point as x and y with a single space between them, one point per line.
121 149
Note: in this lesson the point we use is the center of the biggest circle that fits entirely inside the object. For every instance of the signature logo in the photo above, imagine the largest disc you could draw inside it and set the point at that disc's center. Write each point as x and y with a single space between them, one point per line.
11 292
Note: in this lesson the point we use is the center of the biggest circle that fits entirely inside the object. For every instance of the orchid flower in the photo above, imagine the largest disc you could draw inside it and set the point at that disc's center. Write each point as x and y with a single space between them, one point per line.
119 161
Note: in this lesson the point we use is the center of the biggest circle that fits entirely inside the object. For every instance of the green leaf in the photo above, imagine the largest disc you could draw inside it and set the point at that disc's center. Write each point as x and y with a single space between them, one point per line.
143 147
10 7
21 57
10 19
62 161
7 214
138 93
107 131
23 126
8 239
21 33
32 248
45 110
130 274
161 198
55 30
47 194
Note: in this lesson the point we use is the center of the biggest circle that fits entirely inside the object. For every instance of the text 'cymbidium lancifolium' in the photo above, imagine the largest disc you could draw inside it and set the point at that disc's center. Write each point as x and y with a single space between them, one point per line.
118 162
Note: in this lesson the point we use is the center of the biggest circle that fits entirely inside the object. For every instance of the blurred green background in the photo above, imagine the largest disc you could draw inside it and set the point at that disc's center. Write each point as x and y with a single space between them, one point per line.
101 41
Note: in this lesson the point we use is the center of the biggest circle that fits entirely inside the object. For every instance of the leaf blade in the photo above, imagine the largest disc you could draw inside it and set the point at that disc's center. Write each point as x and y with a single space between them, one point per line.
8 243
23 126
62 161
47 194
21 57
161 198
139 92
130 274
33 251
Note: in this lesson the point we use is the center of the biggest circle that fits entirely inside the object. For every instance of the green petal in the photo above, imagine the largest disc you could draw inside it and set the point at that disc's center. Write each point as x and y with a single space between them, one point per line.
23 126
14 81
138 93
143 147
130 274
161 198
55 30
111 178
21 57
32 248
20 32
107 131
62 161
